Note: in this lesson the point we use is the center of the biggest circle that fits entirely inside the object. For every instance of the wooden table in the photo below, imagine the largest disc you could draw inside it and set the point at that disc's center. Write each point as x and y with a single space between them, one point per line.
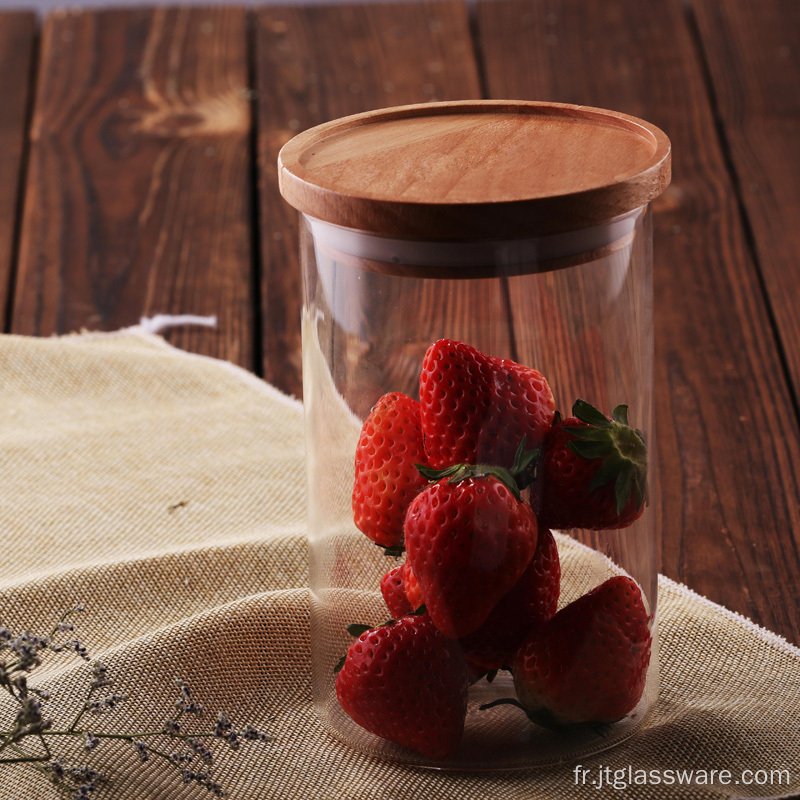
137 176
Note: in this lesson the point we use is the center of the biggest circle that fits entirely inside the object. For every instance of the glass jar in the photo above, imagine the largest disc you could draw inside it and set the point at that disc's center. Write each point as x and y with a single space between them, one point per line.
478 389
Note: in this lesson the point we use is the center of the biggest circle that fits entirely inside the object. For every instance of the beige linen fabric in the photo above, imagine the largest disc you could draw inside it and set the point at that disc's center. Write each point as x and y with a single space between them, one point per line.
166 492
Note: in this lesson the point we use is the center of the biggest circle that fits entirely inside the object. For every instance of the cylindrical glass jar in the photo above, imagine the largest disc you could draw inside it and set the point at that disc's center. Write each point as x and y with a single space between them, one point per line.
443 246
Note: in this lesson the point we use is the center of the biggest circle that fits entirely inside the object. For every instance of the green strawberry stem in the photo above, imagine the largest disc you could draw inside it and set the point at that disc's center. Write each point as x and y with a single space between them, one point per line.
517 478
355 629
504 701
542 718
621 448
545 719
394 552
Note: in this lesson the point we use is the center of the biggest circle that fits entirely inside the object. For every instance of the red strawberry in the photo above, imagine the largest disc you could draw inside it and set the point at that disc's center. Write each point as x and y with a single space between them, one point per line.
469 539
588 664
413 600
593 473
476 408
533 599
393 591
477 667
386 479
406 683
411 587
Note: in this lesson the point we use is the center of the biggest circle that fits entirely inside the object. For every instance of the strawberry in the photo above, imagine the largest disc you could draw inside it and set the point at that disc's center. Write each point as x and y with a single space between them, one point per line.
539 598
533 599
475 408
394 592
411 587
475 668
469 539
407 683
588 664
593 472
386 480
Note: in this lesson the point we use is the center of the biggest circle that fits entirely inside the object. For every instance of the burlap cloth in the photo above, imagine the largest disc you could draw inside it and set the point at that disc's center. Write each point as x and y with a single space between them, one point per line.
166 492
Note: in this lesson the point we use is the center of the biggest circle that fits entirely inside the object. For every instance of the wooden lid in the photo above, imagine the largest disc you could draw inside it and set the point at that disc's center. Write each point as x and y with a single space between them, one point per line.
475 169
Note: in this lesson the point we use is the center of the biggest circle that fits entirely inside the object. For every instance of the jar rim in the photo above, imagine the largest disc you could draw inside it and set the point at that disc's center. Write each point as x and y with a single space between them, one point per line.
468 258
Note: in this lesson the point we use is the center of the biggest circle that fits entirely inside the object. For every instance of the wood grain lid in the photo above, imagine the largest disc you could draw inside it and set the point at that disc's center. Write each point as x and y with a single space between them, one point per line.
475 169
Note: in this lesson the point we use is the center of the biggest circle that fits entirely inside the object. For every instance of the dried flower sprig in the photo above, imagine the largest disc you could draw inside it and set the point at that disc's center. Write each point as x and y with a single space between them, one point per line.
31 733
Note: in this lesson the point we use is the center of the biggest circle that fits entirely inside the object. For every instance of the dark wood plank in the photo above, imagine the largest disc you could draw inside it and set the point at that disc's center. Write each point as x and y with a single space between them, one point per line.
318 63
138 192
752 48
728 439
17 31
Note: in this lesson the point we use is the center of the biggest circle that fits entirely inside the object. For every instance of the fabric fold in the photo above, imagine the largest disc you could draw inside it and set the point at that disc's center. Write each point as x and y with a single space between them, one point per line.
165 491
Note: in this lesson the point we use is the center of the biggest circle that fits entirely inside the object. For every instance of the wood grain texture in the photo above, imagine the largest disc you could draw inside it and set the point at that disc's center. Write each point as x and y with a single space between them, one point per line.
315 64
17 32
137 196
752 48
728 439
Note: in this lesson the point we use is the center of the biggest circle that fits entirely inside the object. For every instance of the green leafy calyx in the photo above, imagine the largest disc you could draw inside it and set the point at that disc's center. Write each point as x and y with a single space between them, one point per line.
394 551
517 478
621 448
